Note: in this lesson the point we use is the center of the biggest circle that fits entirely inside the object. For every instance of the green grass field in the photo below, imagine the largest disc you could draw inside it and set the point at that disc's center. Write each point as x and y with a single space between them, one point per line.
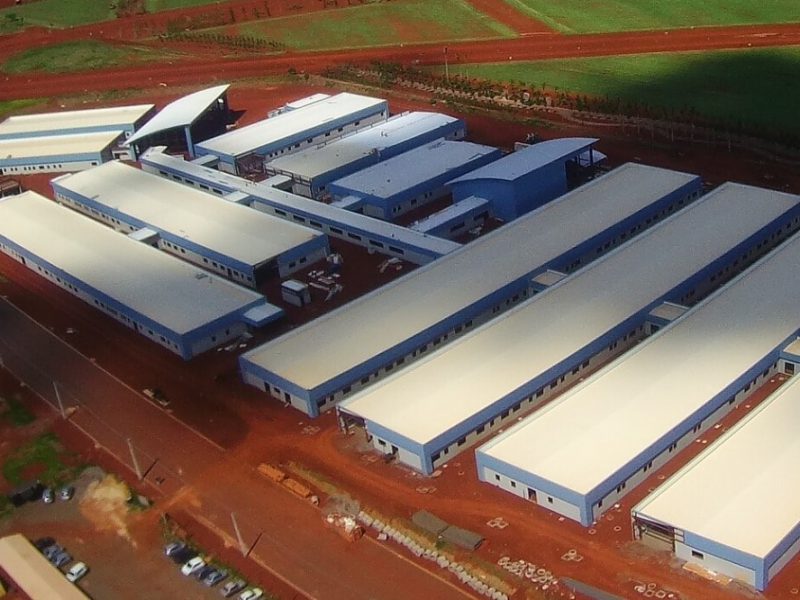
159 5
378 25
755 87
582 16
61 13
8 107
44 453
76 56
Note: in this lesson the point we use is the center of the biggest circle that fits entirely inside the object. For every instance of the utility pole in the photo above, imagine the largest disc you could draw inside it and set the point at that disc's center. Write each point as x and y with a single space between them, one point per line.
136 466
446 67
238 534
58 399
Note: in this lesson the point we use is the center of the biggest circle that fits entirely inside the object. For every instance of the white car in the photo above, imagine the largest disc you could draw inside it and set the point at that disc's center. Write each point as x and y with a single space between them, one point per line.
76 571
251 594
192 565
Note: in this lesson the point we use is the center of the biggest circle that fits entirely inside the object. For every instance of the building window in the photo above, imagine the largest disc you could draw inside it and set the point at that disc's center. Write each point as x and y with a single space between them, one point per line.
696 554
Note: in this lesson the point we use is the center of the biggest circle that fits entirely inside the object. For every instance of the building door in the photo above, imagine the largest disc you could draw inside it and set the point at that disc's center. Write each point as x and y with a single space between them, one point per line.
531 494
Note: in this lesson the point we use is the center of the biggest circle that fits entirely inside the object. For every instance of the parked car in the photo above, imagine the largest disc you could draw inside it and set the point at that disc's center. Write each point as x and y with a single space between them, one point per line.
27 492
61 558
51 550
174 547
76 571
43 542
232 587
191 565
203 572
48 495
251 594
66 493
183 555
215 577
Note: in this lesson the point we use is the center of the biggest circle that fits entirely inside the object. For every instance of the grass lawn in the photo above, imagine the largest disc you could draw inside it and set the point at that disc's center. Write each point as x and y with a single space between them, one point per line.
76 56
159 5
15 412
8 107
378 25
580 16
45 454
61 13
757 87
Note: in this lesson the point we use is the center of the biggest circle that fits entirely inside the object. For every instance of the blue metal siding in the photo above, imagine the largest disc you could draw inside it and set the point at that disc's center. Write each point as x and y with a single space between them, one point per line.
126 127
50 159
725 552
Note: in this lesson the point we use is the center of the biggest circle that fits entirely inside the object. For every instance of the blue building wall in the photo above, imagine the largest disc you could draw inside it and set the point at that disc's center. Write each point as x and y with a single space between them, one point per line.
55 163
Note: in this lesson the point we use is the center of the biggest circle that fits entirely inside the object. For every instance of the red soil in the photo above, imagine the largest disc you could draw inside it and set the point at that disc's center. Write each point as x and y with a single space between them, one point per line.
504 13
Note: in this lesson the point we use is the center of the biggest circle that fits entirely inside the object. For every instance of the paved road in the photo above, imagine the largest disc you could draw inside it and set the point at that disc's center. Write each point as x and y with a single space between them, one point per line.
287 534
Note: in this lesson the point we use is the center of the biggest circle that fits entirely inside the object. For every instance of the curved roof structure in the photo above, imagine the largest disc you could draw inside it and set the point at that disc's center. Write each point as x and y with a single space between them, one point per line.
524 161
179 113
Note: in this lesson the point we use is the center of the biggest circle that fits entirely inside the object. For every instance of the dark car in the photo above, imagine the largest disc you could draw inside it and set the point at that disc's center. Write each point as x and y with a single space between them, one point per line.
215 577
66 493
203 572
183 555
48 495
233 586
27 492
51 550
174 547
61 558
43 542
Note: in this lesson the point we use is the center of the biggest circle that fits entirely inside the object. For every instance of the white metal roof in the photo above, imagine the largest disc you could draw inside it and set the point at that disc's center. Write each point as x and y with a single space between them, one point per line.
409 169
236 231
470 374
180 113
742 491
589 434
33 573
57 145
379 321
21 125
161 287
288 124
326 158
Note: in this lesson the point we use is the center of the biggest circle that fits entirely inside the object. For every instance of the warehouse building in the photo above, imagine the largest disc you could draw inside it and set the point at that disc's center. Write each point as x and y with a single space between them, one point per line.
233 241
295 104
525 179
471 388
749 478
456 219
170 302
373 234
32 573
348 348
245 150
314 168
582 453
185 121
125 119
57 153
412 179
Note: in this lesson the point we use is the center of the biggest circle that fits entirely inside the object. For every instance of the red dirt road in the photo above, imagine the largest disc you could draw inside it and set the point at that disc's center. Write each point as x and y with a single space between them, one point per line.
208 70
504 13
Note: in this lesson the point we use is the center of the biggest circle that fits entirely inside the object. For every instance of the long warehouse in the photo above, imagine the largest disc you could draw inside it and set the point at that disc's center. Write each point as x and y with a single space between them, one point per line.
294 130
473 387
57 153
126 119
316 365
733 509
374 234
314 168
243 245
172 303
582 453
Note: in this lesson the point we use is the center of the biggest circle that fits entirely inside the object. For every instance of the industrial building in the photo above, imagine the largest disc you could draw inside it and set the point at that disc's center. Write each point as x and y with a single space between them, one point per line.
185 121
245 150
233 241
172 303
347 349
525 179
473 387
373 234
125 119
749 477
412 179
311 170
582 453
57 153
